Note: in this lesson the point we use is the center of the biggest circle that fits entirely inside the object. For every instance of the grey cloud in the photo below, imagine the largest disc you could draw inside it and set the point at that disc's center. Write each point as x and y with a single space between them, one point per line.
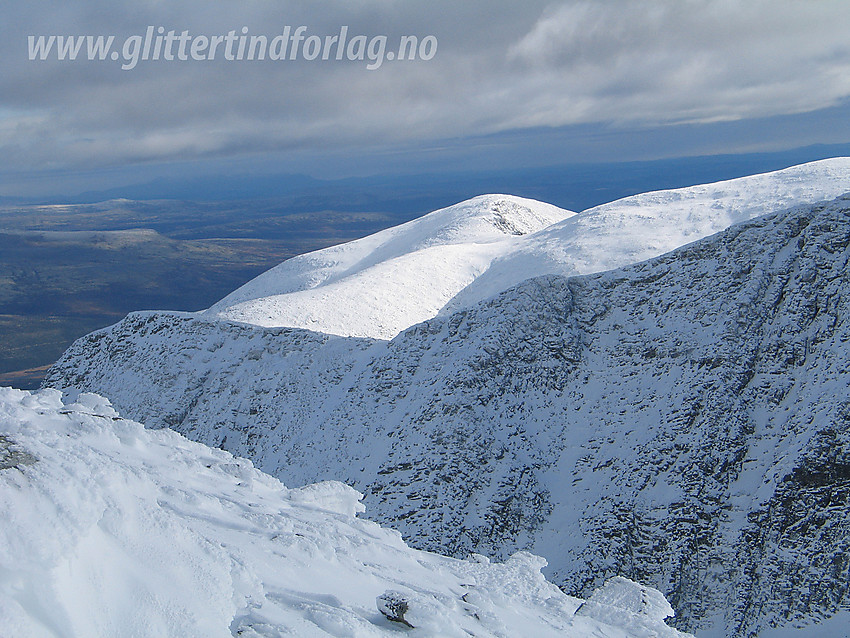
675 61
500 66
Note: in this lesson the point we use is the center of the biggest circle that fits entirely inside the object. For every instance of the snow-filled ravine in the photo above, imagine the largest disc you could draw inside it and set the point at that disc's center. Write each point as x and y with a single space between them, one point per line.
109 529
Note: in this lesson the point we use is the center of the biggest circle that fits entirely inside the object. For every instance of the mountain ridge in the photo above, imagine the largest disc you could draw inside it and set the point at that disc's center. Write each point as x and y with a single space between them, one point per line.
454 257
616 422
681 421
378 285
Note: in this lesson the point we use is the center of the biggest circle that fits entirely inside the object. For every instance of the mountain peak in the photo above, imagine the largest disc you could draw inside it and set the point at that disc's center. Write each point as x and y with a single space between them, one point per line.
381 284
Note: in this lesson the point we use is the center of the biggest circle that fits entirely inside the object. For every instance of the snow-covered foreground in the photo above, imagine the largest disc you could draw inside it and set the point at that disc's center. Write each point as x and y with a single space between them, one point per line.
109 529
457 256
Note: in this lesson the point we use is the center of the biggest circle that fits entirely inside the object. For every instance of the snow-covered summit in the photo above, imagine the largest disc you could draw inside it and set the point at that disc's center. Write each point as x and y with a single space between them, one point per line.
381 284
109 529
454 257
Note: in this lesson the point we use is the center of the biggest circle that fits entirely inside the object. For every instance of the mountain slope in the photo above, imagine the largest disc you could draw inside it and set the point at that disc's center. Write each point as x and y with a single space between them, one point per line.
682 421
113 530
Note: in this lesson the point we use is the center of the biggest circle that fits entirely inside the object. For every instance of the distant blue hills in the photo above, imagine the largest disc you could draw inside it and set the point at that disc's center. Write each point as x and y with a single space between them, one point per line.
573 186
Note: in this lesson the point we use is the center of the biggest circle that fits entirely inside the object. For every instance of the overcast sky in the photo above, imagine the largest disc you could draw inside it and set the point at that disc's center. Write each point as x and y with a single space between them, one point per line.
536 81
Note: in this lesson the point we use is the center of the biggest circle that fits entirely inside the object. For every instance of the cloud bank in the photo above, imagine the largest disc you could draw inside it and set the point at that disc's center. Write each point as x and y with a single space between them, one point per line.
500 67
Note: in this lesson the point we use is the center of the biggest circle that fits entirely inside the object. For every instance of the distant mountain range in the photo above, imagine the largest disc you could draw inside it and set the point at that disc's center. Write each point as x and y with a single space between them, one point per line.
404 191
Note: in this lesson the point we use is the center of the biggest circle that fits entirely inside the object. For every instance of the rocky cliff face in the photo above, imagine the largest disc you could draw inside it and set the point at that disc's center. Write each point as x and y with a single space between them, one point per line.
682 422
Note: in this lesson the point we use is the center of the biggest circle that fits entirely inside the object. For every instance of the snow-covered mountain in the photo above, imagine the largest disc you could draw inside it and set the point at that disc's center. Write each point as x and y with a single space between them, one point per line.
109 529
452 258
379 285
681 421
